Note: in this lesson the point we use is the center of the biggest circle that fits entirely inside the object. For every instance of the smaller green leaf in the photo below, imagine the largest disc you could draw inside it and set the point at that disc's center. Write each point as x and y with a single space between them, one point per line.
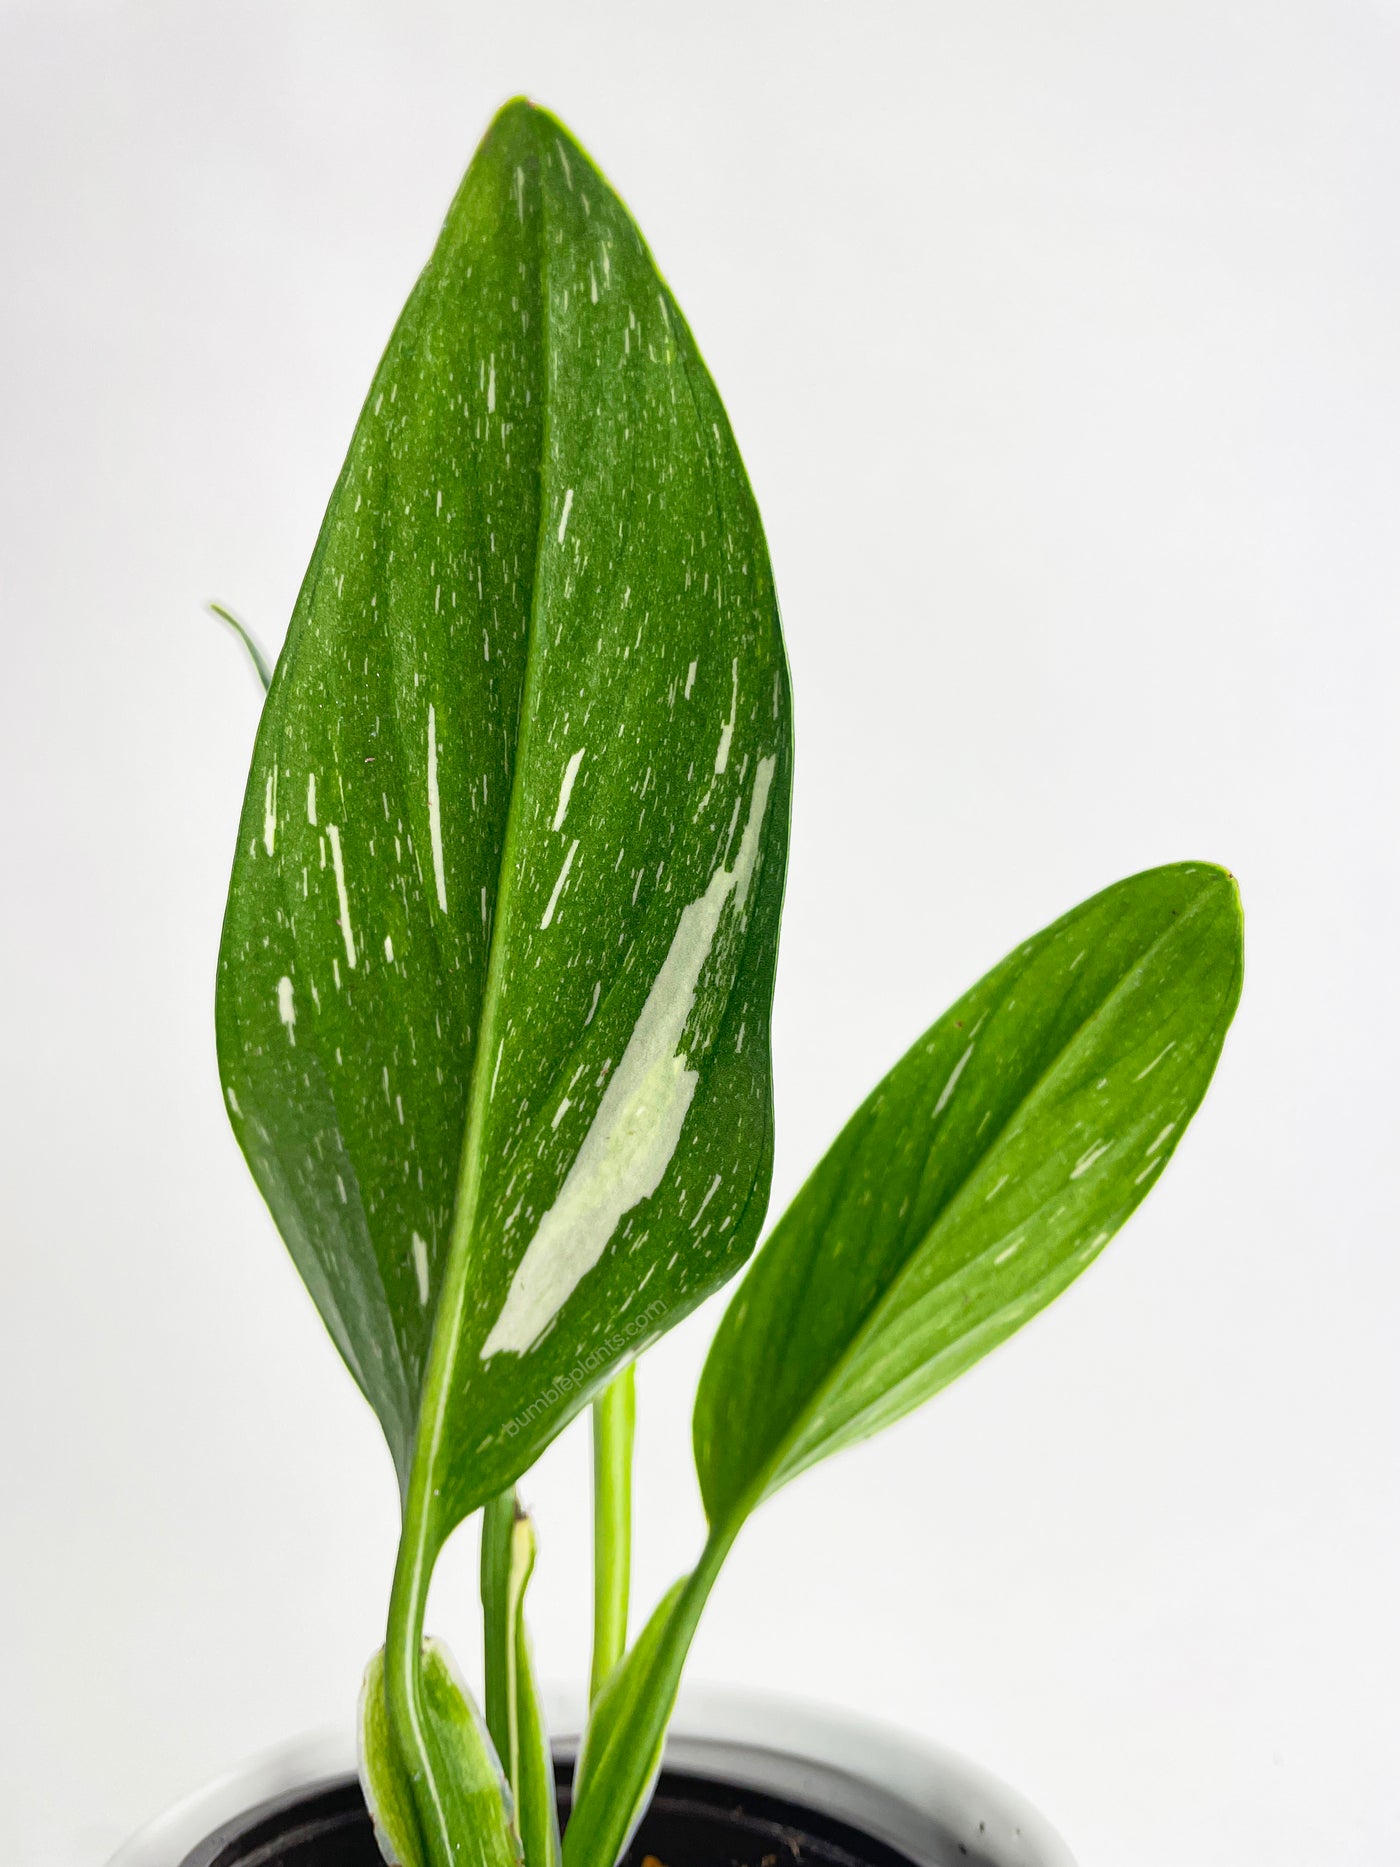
620 1757
465 1770
991 1165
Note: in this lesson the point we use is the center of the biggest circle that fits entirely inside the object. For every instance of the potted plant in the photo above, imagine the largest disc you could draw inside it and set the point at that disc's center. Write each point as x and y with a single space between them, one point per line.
493 1025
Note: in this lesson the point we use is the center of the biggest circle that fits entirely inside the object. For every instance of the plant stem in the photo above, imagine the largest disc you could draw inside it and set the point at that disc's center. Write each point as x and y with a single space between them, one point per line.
614 1424
403 1655
497 1526
619 1762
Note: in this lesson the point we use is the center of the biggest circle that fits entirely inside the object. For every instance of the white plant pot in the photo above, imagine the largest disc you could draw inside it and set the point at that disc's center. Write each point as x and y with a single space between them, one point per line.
934 1807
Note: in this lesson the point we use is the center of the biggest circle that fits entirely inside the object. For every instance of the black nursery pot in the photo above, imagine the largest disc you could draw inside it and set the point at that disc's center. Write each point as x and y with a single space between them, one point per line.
692 1822
748 1782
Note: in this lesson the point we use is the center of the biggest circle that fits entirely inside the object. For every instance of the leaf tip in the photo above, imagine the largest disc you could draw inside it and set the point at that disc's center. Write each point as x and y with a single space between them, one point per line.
1219 886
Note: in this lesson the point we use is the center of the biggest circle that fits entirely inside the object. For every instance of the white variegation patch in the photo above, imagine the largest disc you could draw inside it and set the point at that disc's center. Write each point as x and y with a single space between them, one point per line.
566 789
435 812
342 894
635 1132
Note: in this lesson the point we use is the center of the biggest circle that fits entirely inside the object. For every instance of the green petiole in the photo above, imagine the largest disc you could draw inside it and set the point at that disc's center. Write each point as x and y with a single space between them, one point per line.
614 1425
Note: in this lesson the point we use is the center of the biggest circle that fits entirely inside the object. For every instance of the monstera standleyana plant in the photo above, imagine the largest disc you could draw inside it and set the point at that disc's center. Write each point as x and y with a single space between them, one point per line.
494 993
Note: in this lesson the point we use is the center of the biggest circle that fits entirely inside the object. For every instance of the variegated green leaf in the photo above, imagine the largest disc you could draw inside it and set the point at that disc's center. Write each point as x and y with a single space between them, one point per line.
495 978
987 1170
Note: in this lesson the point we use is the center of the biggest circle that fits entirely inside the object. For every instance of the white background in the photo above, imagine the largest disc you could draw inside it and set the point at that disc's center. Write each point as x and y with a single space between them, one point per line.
1062 342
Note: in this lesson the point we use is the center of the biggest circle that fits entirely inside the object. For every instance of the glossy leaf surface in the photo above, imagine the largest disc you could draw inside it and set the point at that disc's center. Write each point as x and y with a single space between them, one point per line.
467 1770
497 963
986 1171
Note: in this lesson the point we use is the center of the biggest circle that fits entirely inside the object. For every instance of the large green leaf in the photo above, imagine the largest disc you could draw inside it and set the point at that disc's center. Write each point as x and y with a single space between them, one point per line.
496 970
986 1171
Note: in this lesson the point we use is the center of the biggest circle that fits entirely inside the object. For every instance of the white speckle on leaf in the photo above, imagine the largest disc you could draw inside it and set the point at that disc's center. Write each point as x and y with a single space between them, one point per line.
270 810
1155 1061
690 678
947 1094
1087 1159
338 864
233 1101
566 789
420 1265
435 811
491 387
1161 1138
637 1127
564 515
559 885
311 799
561 1112
286 1009
710 1193
389 948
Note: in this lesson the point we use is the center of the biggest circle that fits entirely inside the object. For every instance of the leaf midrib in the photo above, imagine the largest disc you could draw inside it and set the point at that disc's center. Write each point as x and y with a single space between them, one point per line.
447 1320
